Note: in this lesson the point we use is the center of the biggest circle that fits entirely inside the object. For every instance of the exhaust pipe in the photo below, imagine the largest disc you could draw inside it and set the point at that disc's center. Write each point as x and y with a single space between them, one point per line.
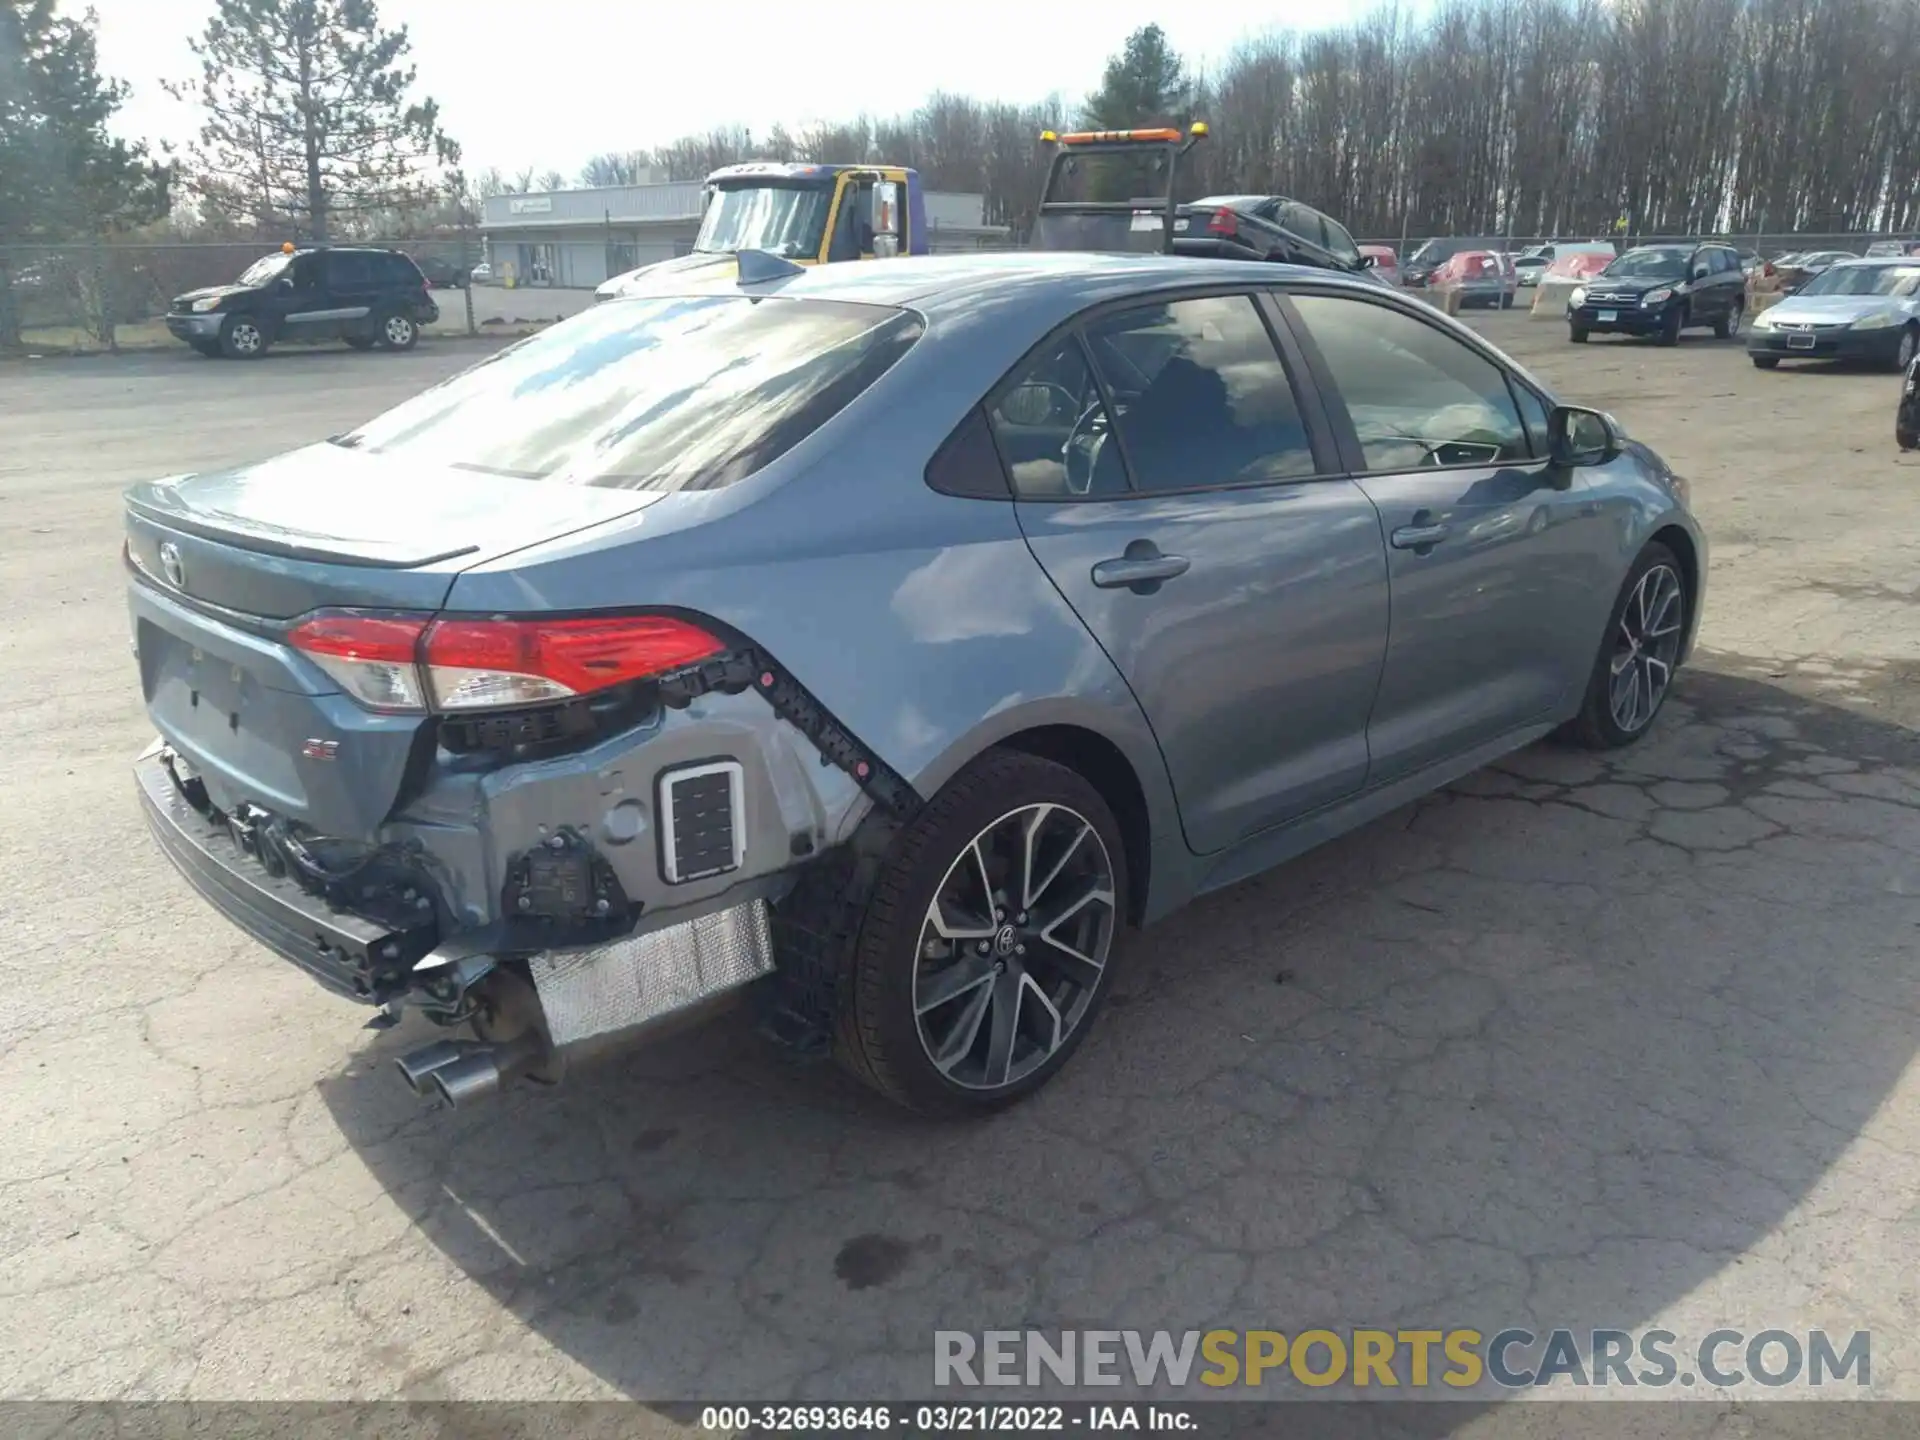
416 1065
482 1069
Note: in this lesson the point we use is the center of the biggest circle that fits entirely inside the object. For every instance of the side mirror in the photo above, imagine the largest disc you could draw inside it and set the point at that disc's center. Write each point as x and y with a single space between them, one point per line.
1702 270
1367 262
1577 436
885 219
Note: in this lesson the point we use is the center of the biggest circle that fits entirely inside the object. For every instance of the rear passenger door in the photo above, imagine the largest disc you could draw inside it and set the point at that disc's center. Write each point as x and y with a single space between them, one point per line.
353 284
1709 296
1492 554
1183 494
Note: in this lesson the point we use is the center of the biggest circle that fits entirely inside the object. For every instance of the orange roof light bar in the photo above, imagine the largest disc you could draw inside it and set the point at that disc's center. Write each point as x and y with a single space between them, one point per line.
1097 137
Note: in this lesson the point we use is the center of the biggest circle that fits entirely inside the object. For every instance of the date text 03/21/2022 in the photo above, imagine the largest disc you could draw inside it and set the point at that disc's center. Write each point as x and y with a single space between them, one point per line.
944 1419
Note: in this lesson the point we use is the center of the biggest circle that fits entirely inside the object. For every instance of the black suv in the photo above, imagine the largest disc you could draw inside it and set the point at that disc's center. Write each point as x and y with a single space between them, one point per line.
1265 227
1660 290
364 297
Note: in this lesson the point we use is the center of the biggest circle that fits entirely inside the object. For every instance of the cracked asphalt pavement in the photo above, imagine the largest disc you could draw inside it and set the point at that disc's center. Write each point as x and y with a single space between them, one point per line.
1618 1041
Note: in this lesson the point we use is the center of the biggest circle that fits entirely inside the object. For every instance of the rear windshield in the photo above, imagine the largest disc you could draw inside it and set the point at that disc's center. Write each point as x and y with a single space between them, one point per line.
651 394
1111 177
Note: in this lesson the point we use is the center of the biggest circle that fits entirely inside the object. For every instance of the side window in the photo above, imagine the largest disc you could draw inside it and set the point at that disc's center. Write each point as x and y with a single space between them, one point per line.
1341 243
1202 396
1305 223
347 269
1418 397
1053 428
396 270
1533 414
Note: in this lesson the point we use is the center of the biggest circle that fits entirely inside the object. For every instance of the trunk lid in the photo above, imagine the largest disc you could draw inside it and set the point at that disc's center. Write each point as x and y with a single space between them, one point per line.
225 561
327 526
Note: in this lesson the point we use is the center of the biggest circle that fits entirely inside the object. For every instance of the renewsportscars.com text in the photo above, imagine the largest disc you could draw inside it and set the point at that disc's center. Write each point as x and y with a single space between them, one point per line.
1401 1359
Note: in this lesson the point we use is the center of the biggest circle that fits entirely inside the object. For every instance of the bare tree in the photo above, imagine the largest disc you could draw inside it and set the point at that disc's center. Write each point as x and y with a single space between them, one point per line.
1514 117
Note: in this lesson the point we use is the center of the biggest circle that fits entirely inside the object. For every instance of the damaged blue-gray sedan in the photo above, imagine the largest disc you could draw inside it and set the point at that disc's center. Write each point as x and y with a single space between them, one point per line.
876 642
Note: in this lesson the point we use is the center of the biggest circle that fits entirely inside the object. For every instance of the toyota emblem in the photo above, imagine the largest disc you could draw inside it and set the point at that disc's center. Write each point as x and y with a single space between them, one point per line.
171 566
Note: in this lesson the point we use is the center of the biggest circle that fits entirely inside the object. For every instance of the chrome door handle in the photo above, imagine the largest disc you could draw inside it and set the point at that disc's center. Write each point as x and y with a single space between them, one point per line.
1420 537
1133 570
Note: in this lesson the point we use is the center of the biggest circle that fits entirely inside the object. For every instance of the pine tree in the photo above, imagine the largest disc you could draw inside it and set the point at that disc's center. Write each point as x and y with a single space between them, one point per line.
309 123
1146 84
62 176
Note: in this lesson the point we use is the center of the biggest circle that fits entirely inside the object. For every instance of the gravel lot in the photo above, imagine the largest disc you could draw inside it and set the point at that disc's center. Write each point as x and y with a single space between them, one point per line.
1616 1042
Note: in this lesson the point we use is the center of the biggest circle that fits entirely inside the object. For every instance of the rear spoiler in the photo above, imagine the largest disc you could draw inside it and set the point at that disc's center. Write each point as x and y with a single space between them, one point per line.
1174 141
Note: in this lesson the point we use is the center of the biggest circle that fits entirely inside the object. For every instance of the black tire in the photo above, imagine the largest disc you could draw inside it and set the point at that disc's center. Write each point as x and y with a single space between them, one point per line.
208 348
1577 334
397 331
359 342
1506 302
242 338
1599 725
1909 347
878 1036
1728 325
1765 362
1670 323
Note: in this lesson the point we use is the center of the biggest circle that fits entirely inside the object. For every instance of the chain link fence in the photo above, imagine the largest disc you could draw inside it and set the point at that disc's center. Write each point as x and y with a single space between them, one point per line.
114 295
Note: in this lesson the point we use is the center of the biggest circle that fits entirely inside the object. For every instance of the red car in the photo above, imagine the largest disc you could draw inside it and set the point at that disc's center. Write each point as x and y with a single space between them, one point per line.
1386 264
1483 277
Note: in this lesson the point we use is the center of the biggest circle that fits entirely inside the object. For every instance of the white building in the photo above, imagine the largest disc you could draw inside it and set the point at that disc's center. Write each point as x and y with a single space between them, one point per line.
577 238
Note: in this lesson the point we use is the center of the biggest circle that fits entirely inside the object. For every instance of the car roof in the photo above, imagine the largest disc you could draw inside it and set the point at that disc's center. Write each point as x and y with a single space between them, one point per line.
1069 279
1234 200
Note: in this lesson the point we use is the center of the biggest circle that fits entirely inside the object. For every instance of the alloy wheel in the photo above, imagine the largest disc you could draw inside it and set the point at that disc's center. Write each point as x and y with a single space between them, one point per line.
399 331
1646 645
245 336
1013 946
1908 344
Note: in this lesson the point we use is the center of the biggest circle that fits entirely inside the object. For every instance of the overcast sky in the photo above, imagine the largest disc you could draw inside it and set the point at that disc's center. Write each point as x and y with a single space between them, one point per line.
548 83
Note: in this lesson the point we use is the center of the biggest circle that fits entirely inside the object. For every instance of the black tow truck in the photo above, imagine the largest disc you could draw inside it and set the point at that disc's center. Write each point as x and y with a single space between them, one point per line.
1112 190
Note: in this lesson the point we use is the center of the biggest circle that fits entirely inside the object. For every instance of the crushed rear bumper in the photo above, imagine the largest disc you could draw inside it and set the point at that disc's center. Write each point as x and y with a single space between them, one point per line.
351 955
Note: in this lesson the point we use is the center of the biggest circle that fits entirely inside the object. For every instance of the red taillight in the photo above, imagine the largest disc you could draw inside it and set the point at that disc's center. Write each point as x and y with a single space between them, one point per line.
396 662
372 656
1224 222
472 664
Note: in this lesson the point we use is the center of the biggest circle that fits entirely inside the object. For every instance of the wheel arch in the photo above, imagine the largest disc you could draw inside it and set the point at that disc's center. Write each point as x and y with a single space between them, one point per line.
1677 539
1110 746
1103 765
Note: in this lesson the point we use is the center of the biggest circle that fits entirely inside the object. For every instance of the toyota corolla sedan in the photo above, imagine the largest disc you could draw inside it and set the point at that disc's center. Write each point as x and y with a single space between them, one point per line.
876 643
1867 310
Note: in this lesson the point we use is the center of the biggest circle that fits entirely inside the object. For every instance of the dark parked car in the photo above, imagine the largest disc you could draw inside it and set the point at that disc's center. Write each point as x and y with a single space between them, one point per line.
1660 290
1795 271
364 297
1265 227
1420 265
441 273
885 637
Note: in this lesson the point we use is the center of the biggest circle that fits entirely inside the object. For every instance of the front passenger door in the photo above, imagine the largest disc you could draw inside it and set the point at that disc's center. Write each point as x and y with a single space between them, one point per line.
1492 556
